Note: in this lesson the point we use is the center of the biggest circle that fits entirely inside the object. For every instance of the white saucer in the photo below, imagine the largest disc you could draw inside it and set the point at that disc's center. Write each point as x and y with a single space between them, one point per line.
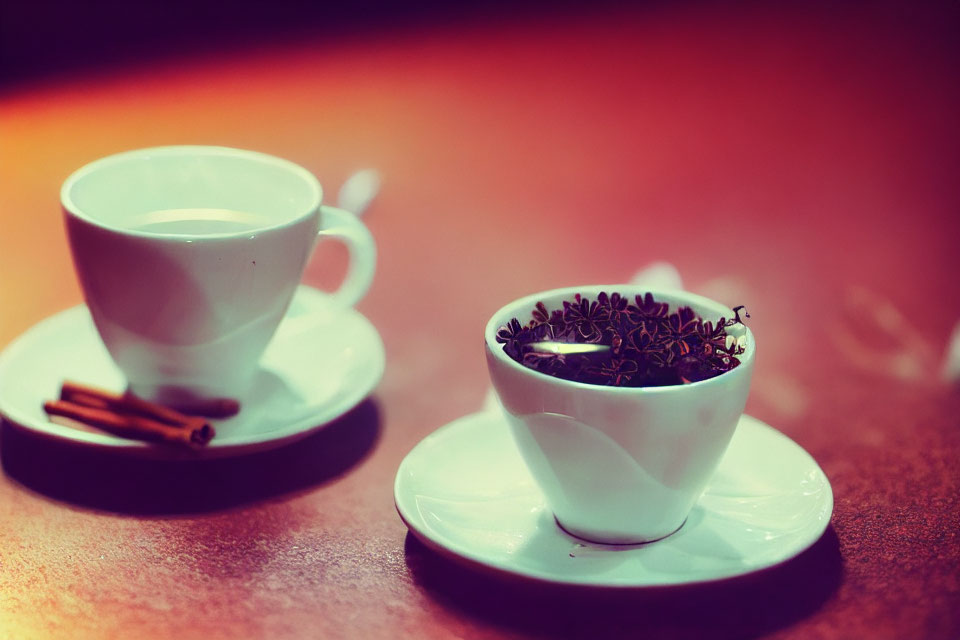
465 492
320 364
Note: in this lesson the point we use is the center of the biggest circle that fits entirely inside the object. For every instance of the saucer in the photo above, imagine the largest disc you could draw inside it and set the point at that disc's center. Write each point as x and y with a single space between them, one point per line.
321 363
465 492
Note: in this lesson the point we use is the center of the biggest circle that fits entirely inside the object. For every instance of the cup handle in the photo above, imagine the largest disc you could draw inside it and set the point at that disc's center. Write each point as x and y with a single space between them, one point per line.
346 227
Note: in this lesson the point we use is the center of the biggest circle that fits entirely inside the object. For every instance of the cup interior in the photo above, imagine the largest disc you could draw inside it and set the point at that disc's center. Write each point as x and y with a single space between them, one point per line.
522 308
120 191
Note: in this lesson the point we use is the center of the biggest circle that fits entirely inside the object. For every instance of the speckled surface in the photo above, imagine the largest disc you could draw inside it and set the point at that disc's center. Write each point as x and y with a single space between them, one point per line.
801 161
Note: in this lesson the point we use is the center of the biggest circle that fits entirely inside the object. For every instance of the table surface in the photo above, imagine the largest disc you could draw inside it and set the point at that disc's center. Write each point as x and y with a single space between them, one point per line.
801 160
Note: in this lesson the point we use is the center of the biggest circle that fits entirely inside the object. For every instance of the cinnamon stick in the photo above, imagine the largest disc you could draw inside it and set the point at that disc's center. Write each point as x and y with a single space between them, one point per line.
217 408
131 425
122 403
127 402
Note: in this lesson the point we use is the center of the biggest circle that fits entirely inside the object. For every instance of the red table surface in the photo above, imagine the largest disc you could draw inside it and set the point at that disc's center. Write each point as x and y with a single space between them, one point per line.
800 160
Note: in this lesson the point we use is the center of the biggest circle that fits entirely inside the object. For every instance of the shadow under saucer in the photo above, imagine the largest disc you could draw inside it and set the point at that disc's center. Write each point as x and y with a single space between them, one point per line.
101 479
744 606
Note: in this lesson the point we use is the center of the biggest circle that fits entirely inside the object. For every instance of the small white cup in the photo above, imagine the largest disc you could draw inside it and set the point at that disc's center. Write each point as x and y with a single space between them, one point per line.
619 465
188 257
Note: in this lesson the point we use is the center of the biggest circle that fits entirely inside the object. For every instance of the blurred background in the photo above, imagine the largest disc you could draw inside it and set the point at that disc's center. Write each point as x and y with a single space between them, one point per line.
55 37
799 158
582 140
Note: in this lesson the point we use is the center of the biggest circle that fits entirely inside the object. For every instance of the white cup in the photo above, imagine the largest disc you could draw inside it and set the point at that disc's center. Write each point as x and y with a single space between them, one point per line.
619 465
188 257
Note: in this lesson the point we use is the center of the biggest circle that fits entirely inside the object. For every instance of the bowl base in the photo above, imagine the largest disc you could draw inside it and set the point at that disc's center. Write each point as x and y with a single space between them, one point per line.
620 540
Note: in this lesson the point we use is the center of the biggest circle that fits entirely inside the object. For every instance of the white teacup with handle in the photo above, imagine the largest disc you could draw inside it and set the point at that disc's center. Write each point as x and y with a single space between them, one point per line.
188 257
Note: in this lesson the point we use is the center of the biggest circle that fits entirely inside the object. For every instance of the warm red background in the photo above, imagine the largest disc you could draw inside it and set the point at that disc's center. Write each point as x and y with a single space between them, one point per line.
801 160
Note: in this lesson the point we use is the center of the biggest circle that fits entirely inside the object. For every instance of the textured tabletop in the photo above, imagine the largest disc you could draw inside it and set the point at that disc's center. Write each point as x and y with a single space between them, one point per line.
800 160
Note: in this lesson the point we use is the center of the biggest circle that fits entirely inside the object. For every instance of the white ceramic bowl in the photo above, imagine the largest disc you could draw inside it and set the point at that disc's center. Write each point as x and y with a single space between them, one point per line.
619 465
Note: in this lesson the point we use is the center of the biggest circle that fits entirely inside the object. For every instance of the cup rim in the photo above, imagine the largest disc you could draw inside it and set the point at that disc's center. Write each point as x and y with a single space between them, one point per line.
526 303
71 208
